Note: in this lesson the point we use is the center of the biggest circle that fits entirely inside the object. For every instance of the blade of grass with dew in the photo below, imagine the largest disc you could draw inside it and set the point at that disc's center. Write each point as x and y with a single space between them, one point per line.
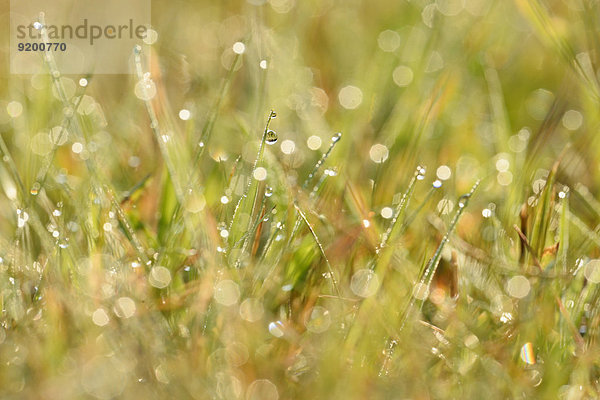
155 127
379 264
334 284
214 113
562 265
298 219
245 203
542 217
65 125
334 141
427 274
72 120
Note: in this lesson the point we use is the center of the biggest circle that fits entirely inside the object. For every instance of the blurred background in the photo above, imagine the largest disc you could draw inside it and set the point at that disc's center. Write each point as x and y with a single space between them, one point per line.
124 300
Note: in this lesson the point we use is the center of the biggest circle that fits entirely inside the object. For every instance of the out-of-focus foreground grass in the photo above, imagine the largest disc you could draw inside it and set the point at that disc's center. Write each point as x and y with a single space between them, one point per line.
196 254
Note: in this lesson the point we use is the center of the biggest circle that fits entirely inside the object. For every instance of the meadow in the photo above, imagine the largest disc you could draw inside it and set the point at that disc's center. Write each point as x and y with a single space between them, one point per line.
309 200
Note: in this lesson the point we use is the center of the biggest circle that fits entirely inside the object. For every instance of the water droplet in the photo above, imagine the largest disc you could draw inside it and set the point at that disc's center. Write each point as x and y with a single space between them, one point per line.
445 206
35 189
464 200
59 135
443 172
124 307
388 41
151 36
100 317
572 120
518 286
319 320
535 377
271 137
262 389
378 153
268 191
184 114
260 174
273 114
504 178
14 109
506 317
420 291
263 64
350 97
22 218
437 184
251 309
239 48
145 89
160 277
336 137
364 283
134 161
486 212
314 142
276 329
77 148
538 185
330 172
194 202
387 212
288 146
471 341
527 354
37 25
403 75
502 164
227 292
592 271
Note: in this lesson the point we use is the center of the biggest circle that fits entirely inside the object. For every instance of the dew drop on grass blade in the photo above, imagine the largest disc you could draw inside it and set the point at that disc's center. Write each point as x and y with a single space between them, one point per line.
334 141
426 275
244 198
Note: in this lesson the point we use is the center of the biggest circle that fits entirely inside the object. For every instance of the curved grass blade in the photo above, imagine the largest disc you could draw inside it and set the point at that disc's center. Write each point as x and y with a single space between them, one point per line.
427 275
334 140
314 235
